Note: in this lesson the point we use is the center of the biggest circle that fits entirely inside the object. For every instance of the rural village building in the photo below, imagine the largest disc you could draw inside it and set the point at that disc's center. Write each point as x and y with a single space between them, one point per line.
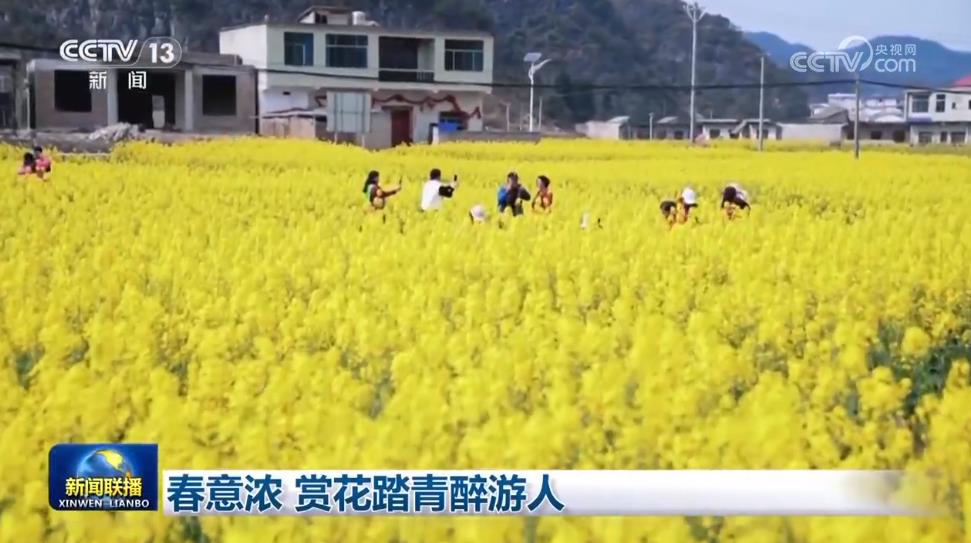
940 116
345 75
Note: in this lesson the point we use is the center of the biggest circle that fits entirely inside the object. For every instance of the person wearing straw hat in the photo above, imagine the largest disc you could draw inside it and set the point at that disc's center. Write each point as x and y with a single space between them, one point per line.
478 214
678 211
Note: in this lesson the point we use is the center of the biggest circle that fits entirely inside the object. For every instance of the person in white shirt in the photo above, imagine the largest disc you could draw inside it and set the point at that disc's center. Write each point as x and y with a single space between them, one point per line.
434 191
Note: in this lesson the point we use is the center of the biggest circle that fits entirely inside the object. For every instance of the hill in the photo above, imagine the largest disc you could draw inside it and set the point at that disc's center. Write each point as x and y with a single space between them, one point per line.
936 65
601 42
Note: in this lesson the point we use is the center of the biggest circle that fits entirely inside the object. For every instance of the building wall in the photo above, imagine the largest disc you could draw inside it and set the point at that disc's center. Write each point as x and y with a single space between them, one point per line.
422 117
829 133
282 99
249 44
245 41
380 135
957 107
923 134
47 116
600 130
245 118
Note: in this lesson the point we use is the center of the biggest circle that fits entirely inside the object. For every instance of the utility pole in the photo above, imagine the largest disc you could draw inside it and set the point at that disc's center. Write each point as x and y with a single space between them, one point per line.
507 116
856 122
695 13
650 126
761 103
540 120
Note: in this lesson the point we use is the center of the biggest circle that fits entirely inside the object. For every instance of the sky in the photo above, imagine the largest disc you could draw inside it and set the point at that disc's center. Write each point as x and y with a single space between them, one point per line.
822 24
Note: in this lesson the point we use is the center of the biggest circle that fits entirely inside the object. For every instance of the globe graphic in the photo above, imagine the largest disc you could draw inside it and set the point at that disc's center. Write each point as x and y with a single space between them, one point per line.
104 463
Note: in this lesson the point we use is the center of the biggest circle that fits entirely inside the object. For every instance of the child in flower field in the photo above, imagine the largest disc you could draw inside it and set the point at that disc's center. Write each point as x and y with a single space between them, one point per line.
30 167
376 195
43 161
734 199
544 195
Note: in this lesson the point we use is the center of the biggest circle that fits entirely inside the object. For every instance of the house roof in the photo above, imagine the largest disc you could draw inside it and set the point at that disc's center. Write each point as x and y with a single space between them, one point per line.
325 9
362 29
964 81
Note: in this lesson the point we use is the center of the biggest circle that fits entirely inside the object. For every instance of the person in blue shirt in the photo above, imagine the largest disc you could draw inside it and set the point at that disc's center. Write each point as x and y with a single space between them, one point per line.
511 195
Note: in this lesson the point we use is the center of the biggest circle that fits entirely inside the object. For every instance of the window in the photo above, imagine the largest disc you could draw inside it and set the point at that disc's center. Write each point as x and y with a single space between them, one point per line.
958 138
876 135
921 103
714 133
899 136
924 137
219 95
943 137
347 51
320 18
464 55
71 91
298 49
941 105
969 104
954 105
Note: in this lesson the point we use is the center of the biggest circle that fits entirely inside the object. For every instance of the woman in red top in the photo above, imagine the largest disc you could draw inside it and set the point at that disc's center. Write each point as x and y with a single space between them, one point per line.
544 196
30 167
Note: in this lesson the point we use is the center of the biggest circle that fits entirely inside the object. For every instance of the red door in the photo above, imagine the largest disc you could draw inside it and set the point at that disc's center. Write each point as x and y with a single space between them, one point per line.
400 126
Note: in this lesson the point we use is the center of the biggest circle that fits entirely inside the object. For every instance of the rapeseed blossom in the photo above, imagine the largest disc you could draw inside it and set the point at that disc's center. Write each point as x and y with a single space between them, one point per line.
237 303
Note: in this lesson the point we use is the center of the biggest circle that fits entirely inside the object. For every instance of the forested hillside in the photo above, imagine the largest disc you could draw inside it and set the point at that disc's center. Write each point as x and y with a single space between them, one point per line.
593 42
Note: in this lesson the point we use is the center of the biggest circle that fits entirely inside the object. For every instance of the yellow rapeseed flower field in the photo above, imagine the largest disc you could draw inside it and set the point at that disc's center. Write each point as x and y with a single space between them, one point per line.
236 303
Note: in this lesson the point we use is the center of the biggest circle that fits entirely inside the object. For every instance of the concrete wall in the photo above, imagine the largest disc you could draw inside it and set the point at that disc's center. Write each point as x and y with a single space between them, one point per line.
601 130
380 135
246 41
957 107
245 118
277 99
829 133
47 116
423 117
289 127
250 44
935 134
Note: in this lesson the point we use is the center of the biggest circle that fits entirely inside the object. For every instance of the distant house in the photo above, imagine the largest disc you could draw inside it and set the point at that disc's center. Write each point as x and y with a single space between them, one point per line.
940 116
15 107
881 119
614 129
383 86
205 92
716 128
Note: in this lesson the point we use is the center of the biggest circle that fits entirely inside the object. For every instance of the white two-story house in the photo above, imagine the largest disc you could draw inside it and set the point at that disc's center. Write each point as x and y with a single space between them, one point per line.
384 86
940 116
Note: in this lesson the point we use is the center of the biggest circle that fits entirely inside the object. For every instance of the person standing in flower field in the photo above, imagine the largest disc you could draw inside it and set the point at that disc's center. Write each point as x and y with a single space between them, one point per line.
734 200
511 195
376 195
544 195
435 191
